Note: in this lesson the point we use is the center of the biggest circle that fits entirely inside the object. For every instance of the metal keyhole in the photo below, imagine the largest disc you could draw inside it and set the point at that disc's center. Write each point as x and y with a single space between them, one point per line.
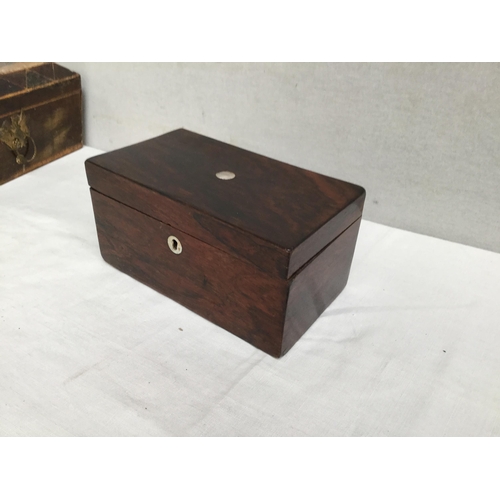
174 244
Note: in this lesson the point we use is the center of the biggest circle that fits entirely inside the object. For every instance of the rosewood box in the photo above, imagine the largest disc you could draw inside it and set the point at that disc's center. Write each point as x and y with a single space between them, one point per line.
40 116
254 245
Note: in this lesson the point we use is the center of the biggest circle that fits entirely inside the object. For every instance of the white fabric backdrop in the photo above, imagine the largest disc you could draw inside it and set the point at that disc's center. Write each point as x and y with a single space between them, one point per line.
411 347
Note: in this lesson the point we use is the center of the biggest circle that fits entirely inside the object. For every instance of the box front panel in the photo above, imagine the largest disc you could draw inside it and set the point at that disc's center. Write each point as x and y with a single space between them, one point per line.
219 287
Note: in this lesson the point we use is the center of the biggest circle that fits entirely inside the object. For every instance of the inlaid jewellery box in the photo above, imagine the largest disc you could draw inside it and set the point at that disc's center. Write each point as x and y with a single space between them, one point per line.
258 247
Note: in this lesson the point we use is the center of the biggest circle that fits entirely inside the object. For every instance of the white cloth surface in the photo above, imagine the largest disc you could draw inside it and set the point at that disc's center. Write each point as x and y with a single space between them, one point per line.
411 347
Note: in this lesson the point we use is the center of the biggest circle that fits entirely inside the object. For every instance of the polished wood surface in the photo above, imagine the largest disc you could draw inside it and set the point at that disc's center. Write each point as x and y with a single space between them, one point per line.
263 254
268 312
318 285
297 211
220 287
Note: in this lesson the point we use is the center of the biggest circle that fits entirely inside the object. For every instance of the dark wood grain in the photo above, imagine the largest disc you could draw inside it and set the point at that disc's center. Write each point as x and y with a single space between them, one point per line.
288 207
316 286
217 286
52 110
268 312
263 254
323 236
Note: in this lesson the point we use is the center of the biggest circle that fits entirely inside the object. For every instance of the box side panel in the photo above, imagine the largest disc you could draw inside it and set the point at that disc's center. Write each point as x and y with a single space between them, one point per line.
318 284
326 234
55 129
246 246
217 286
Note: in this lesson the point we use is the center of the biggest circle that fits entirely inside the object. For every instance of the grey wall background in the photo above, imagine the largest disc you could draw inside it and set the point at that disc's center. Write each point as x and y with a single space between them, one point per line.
423 139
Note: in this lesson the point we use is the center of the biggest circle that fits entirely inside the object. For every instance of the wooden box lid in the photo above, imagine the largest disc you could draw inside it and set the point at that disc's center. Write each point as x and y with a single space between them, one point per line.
272 214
